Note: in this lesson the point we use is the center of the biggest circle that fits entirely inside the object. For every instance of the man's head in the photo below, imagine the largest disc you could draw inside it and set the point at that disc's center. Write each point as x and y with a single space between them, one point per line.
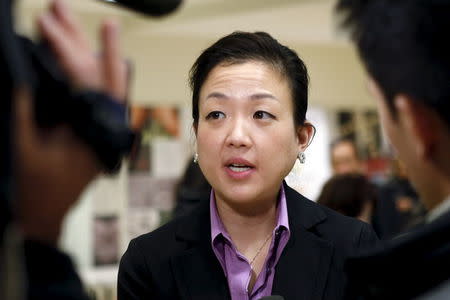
344 157
405 49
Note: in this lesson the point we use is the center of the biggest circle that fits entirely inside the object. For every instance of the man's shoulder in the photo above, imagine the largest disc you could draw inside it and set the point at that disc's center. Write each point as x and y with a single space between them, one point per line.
413 262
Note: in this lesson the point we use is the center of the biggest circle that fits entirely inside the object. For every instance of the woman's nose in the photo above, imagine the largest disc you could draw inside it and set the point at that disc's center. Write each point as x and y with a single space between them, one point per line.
239 134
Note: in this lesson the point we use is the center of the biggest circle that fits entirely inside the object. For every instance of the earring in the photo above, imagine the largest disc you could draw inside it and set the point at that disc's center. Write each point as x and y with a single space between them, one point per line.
301 157
196 158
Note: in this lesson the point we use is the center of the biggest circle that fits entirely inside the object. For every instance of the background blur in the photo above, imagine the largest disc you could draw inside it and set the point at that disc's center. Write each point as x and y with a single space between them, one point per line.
141 197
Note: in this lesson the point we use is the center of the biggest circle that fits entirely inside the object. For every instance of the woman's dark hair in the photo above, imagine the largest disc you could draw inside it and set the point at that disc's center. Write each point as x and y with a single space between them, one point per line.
192 189
348 193
241 47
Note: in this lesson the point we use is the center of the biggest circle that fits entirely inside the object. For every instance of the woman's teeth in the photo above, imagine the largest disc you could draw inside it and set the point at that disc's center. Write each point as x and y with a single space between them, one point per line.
239 168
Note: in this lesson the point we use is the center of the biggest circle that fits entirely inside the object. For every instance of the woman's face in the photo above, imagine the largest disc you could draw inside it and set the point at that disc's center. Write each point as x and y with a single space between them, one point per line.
246 138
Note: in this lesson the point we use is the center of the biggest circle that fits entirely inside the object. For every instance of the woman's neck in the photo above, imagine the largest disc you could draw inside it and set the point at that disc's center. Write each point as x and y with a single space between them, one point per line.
247 230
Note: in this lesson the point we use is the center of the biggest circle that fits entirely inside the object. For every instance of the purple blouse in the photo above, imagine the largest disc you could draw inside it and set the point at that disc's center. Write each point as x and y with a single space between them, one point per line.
236 267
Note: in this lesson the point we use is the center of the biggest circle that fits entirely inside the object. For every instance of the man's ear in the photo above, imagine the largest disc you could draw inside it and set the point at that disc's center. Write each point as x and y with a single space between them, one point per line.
305 134
420 123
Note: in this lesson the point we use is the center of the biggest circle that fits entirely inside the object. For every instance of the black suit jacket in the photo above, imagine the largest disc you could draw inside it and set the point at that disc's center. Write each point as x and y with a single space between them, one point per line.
176 261
50 274
405 267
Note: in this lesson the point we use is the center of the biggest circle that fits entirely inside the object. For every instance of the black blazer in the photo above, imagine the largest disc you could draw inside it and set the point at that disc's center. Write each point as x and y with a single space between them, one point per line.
405 267
50 274
176 261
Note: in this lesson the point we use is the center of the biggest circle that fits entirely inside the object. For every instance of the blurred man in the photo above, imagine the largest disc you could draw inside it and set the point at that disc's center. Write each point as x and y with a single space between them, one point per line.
53 166
345 157
404 46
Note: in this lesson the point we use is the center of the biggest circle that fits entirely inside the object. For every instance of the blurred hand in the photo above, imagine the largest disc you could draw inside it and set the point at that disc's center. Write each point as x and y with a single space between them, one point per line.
104 72
53 166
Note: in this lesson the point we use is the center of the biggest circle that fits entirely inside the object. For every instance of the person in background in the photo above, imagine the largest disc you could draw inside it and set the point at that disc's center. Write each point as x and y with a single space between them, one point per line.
252 236
400 208
191 189
404 47
345 157
350 194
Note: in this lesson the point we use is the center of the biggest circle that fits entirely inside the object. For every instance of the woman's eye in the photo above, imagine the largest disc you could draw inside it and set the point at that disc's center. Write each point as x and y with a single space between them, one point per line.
215 115
263 115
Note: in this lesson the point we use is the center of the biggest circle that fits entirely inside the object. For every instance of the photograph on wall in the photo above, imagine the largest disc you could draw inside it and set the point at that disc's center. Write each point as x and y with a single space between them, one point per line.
363 128
152 124
106 240
155 166
151 202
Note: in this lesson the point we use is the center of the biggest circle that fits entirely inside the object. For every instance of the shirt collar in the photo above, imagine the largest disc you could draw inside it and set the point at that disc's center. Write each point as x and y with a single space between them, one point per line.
439 210
217 227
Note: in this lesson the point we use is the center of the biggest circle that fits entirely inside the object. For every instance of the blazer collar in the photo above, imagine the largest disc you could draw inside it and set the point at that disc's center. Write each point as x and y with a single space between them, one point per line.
196 269
302 271
302 211
197 226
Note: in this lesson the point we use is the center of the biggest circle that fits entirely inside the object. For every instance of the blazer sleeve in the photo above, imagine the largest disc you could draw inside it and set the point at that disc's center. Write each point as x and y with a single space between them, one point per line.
134 276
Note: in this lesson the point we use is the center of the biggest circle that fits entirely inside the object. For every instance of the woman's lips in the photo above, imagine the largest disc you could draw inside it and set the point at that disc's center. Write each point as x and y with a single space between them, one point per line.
239 168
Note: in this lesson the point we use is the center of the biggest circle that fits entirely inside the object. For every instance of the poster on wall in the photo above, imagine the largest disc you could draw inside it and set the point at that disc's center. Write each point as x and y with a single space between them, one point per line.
155 167
106 240
152 123
363 127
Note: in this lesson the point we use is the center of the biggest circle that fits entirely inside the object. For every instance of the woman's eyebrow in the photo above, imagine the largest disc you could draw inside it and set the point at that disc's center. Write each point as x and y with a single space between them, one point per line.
256 96
259 96
217 95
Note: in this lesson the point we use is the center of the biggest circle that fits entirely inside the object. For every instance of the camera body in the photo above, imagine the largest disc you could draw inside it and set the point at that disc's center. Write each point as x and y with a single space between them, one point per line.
93 116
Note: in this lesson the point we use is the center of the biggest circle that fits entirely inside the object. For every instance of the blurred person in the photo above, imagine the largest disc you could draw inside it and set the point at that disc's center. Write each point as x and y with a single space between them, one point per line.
253 236
191 189
399 207
345 157
404 47
350 194
52 166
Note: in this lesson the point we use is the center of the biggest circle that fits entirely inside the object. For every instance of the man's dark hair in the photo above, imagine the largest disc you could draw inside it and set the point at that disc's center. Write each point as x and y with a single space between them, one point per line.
241 47
405 47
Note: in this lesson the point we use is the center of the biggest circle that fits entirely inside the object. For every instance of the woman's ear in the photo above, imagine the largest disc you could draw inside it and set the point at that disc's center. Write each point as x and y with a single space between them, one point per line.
305 135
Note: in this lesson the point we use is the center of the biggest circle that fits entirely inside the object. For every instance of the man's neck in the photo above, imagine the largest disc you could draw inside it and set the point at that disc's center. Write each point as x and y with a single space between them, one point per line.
439 210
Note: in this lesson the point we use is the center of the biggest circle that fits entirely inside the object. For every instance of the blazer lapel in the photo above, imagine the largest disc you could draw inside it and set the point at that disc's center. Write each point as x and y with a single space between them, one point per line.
302 270
196 270
200 276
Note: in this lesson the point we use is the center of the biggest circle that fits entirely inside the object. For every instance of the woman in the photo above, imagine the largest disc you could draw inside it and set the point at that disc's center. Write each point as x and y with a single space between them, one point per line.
256 236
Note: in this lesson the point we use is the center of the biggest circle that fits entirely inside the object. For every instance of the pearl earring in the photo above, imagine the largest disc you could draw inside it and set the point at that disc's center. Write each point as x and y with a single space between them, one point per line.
196 158
301 157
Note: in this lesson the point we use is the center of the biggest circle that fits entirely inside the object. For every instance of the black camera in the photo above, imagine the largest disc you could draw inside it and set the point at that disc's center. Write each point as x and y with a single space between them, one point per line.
93 116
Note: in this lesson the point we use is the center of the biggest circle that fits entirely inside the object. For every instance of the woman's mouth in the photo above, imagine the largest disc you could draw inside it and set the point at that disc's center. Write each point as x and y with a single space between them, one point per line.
239 167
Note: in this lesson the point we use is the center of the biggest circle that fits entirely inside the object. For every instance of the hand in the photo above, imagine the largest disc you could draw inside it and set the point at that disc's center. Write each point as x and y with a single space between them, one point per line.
105 72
